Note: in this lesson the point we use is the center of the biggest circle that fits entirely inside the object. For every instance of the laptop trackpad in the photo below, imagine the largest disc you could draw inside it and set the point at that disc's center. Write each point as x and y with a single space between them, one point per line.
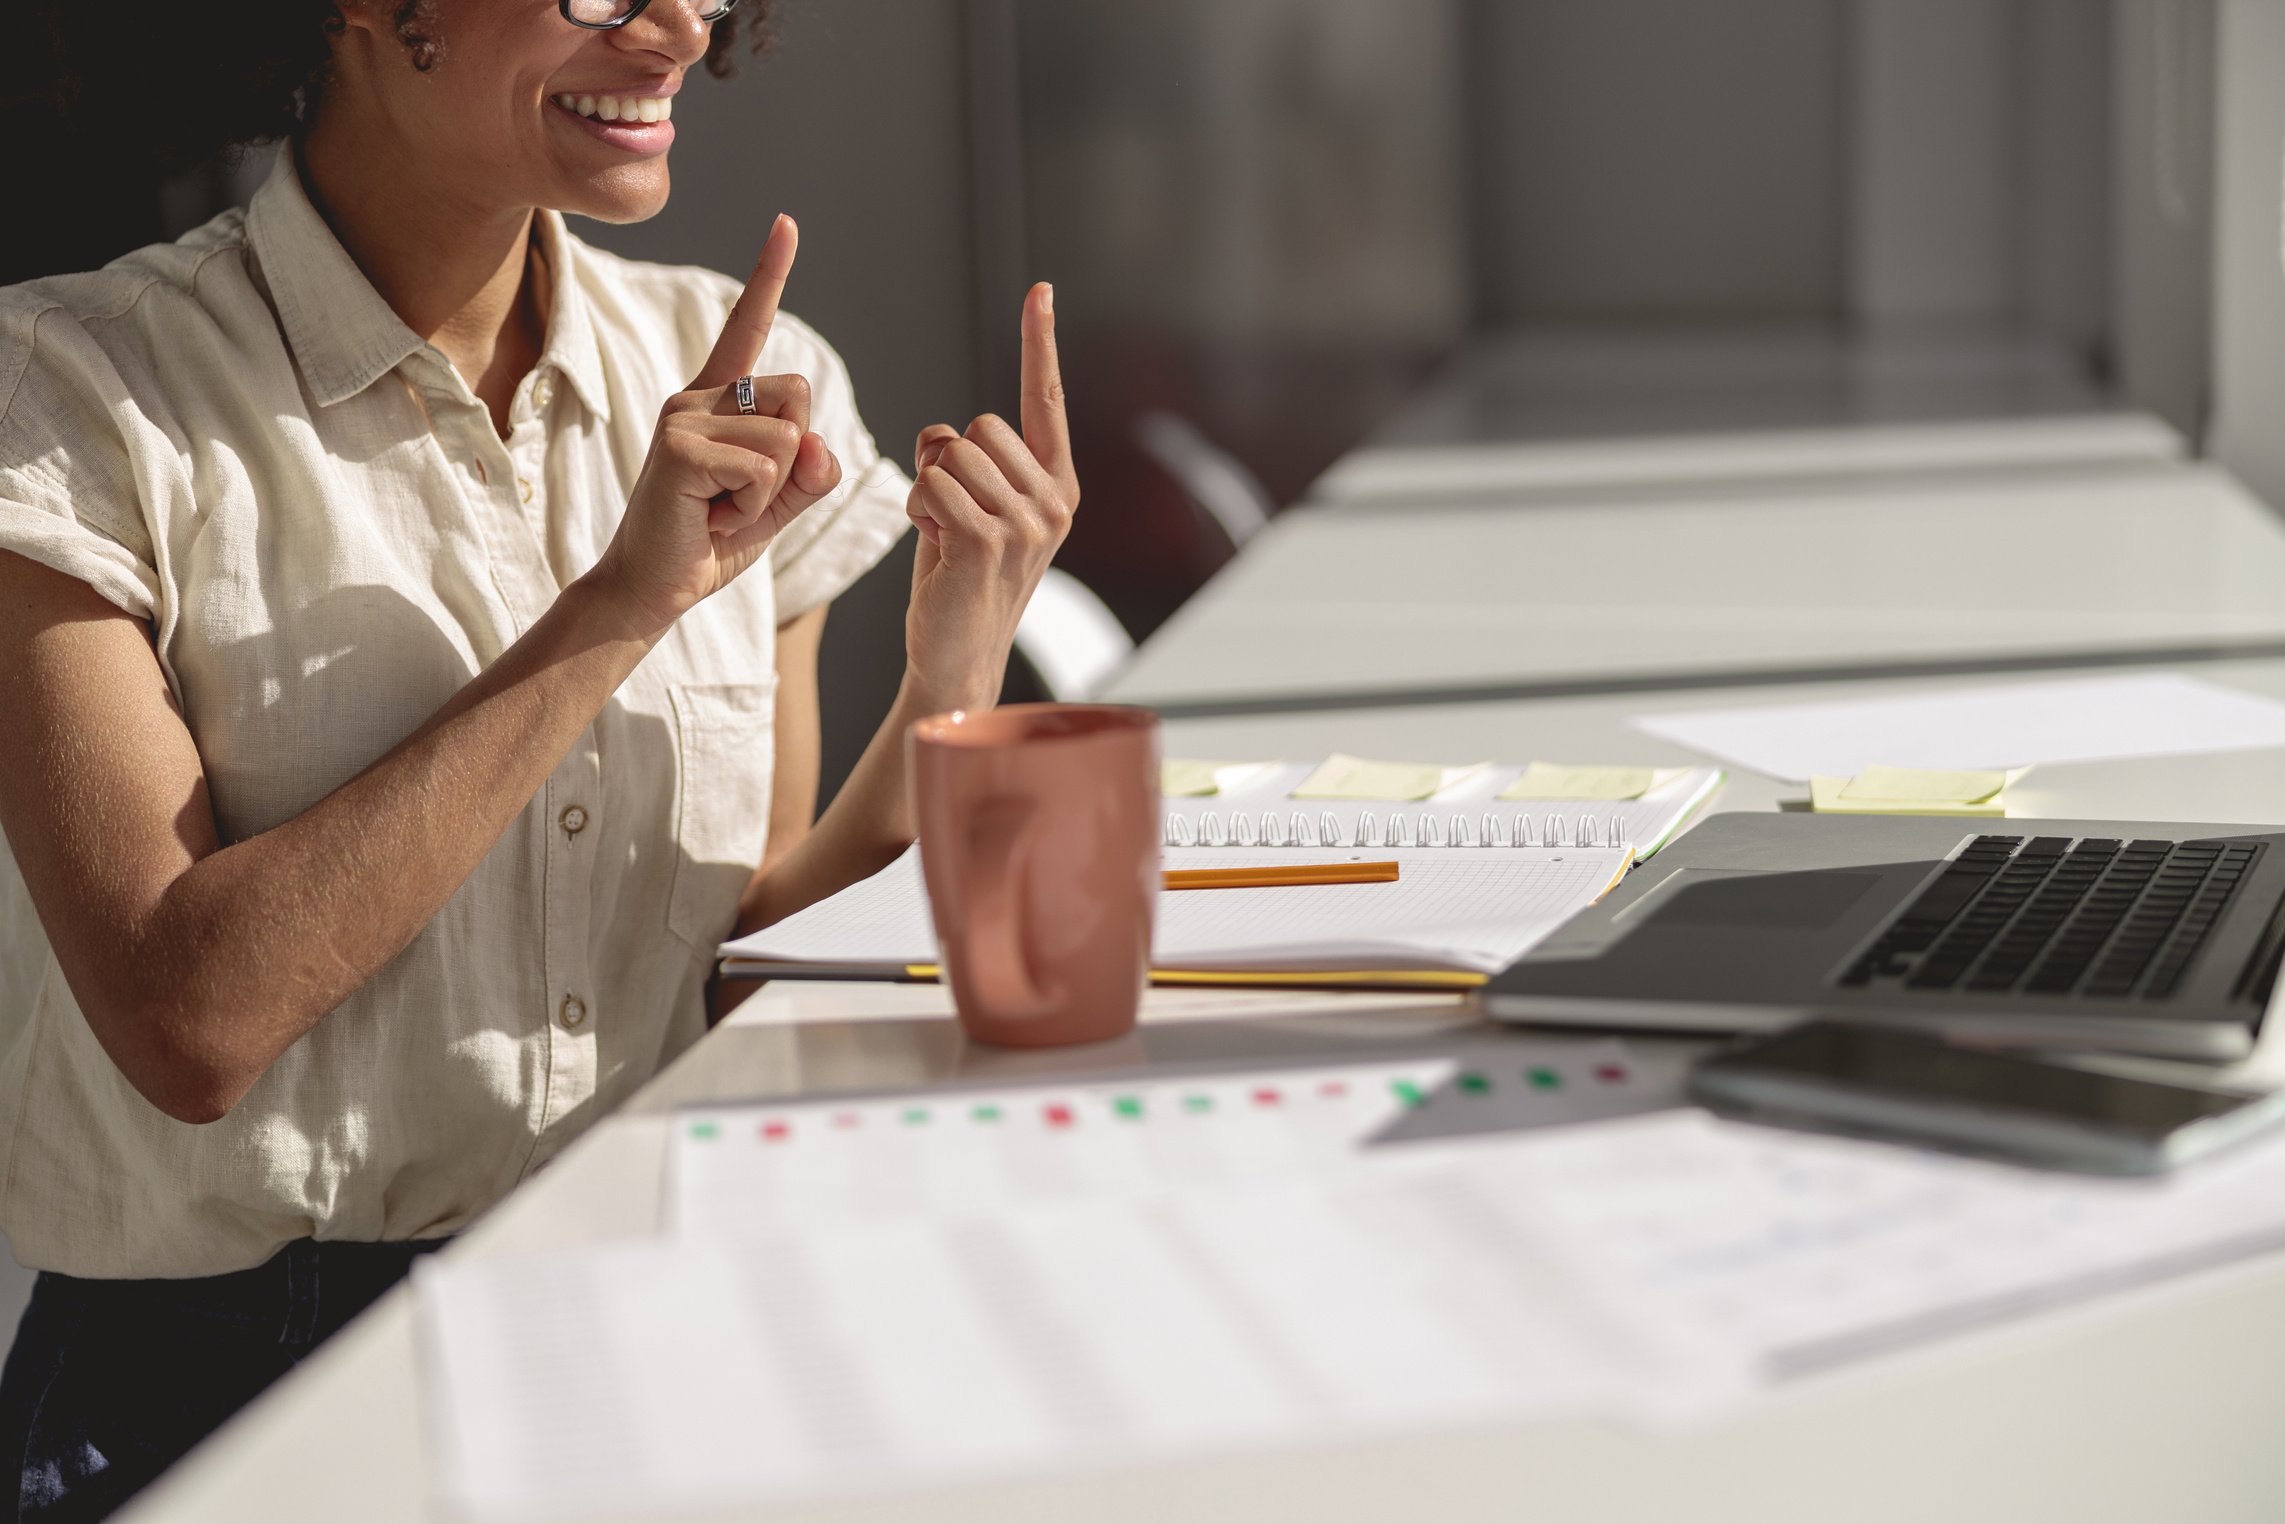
1798 901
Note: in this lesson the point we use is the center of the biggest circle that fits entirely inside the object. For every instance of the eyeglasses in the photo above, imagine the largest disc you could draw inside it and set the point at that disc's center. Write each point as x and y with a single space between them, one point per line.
602 15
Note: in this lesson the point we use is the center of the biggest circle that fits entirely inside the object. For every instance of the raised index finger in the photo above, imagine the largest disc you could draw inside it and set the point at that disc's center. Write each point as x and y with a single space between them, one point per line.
1045 429
747 328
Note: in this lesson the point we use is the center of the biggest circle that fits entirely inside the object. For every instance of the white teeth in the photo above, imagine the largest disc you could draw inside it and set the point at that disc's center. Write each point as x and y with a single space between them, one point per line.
617 108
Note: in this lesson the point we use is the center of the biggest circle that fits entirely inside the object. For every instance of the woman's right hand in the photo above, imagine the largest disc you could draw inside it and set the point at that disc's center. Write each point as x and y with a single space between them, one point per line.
719 485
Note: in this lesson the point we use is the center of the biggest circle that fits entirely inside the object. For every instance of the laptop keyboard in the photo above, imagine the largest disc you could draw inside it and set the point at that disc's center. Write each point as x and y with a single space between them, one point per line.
2053 916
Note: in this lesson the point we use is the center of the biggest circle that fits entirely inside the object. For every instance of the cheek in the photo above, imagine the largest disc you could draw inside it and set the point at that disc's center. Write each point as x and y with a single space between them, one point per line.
490 84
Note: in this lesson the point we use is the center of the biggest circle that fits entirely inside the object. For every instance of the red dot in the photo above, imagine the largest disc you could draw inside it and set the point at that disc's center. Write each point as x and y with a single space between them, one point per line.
1332 1088
1059 1116
1266 1096
777 1132
847 1119
1610 1074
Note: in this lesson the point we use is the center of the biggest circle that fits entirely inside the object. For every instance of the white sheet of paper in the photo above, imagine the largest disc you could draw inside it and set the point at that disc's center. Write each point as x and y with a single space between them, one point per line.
1795 1253
651 1376
1998 727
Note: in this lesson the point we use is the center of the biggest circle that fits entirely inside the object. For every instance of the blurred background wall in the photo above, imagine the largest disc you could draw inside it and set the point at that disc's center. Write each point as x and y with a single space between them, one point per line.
1274 218
1714 185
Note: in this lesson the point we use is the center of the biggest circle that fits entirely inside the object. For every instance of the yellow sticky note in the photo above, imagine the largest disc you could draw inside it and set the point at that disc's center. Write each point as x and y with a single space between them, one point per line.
1562 780
1354 778
1925 785
1181 778
1831 796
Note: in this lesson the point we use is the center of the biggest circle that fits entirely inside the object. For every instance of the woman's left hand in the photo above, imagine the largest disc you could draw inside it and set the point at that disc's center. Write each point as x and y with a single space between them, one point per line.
992 507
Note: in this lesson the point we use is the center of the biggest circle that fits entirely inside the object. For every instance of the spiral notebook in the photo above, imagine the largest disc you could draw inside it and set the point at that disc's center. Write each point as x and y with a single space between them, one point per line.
1449 920
1259 804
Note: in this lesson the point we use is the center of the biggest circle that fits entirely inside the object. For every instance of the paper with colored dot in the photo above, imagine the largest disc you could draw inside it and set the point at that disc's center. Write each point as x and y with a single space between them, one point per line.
807 1167
1661 1268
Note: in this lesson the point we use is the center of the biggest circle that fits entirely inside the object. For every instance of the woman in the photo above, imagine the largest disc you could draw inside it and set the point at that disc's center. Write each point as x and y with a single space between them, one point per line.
411 619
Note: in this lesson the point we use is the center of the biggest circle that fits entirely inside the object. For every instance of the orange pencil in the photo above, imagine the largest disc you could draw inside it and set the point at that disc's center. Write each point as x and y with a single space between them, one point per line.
1281 876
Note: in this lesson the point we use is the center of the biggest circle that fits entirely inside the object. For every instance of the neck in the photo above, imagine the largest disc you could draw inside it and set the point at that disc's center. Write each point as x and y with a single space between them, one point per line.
461 275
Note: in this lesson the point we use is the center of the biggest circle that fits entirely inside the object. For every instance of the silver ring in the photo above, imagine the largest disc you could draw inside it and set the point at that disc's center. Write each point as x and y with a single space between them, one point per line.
743 387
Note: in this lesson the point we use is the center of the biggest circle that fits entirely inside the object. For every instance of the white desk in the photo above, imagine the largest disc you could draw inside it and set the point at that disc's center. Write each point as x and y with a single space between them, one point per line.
2158 1406
1333 607
1537 412
1428 473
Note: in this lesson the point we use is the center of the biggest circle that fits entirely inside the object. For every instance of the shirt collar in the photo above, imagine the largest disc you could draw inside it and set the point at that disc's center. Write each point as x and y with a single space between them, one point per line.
571 346
345 337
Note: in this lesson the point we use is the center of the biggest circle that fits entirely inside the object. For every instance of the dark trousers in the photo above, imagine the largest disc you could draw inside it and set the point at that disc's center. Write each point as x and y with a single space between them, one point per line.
111 1382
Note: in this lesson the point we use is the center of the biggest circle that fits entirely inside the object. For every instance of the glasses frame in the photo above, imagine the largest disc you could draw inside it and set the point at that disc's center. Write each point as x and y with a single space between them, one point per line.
636 8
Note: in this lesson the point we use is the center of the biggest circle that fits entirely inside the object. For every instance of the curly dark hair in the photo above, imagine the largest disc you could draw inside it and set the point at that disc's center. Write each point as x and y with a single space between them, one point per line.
206 79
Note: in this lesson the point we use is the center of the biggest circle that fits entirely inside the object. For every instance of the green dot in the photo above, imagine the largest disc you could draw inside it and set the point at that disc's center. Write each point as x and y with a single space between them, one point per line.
986 1113
1128 1106
704 1130
1475 1084
1409 1093
1544 1079
1197 1103
916 1114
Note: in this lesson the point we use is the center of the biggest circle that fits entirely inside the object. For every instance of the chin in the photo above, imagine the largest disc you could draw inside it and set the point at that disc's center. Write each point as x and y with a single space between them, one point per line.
634 194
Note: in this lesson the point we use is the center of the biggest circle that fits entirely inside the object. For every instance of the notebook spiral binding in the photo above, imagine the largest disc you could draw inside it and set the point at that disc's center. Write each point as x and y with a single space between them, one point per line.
1425 829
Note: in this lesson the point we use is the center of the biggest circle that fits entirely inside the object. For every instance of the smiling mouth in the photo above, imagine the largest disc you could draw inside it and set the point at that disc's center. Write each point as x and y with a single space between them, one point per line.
618 108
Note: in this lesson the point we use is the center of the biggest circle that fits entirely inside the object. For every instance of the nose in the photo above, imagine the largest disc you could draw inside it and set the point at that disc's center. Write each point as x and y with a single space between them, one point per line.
670 28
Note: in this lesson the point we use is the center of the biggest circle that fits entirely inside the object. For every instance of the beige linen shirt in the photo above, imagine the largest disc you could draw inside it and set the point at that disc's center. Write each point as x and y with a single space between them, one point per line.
234 438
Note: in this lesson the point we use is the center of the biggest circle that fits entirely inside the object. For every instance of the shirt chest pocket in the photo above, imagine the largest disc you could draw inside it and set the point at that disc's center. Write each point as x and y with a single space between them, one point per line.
725 753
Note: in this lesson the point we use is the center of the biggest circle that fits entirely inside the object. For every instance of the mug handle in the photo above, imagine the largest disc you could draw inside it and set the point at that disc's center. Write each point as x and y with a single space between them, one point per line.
998 969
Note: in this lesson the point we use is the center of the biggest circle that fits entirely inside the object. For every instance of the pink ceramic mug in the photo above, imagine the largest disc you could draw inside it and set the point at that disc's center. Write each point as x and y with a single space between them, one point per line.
1039 837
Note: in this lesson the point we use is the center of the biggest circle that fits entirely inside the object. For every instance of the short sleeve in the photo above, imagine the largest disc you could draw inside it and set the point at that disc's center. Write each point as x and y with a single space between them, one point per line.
839 539
68 495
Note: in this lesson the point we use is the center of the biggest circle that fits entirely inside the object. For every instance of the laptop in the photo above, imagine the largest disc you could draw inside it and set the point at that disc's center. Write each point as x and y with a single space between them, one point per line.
2133 937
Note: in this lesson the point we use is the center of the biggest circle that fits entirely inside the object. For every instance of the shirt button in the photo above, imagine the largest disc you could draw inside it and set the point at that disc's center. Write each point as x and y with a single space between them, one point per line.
523 485
542 390
574 820
574 1013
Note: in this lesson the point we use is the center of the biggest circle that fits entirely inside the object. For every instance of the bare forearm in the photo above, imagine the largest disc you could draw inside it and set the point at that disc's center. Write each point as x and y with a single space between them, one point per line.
263 937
